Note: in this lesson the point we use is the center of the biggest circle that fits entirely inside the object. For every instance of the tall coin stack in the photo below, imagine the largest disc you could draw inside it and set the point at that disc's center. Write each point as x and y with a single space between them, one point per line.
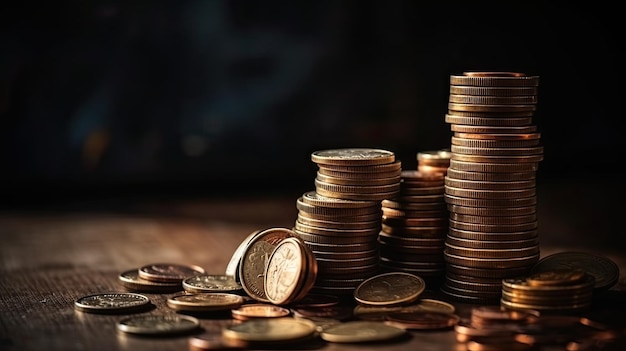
341 219
490 186
415 222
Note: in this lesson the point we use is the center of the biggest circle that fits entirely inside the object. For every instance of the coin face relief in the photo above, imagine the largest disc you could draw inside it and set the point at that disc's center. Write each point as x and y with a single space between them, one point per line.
111 303
169 272
391 288
211 283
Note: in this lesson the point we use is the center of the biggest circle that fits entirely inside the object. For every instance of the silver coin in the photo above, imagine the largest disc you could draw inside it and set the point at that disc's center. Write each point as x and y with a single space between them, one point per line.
211 283
158 324
112 303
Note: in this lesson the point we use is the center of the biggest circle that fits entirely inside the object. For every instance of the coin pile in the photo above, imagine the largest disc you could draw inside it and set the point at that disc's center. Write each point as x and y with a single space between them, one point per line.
415 222
490 183
499 328
340 220
158 277
557 290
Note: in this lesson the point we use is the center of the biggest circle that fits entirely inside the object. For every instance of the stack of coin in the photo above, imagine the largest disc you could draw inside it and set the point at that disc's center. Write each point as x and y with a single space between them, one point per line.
341 219
490 184
414 226
158 277
564 290
435 161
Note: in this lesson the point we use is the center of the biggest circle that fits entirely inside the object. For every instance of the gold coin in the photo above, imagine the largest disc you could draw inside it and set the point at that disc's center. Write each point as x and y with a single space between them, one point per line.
255 258
287 271
556 277
169 272
211 283
204 302
353 157
422 320
361 332
391 288
271 330
259 310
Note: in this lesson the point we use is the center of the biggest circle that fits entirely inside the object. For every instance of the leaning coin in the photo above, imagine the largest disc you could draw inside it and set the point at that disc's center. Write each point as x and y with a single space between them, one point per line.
204 302
604 270
169 272
211 283
131 281
158 324
112 303
361 331
388 289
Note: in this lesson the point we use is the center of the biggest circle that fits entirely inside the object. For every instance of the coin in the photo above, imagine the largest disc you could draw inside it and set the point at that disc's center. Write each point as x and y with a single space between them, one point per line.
211 283
259 310
212 341
268 330
361 332
204 302
422 320
130 280
556 277
290 272
604 270
112 303
232 268
380 312
169 272
255 258
158 324
353 157
391 288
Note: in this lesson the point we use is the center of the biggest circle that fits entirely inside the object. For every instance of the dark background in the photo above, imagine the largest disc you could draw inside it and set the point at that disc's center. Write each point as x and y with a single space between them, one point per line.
202 98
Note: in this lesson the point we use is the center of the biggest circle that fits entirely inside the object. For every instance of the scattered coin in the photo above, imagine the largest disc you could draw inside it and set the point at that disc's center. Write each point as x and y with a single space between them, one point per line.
259 310
361 332
271 330
158 324
212 341
169 272
392 288
422 320
604 270
211 283
204 302
130 280
112 303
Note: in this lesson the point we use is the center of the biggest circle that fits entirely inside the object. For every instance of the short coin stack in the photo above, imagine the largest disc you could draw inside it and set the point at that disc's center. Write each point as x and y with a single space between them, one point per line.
414 225
490 183
341 219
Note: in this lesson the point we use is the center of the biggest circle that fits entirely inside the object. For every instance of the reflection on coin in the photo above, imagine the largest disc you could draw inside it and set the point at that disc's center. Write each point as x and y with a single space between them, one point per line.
603 269
391 288
112 303
211 283
158 324
360 332
270 330
169 272
204 302
130 280
556 277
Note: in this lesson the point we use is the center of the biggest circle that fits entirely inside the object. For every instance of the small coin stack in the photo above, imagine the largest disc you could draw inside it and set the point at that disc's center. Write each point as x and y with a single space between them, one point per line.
341 219
564 290
490 183
415 223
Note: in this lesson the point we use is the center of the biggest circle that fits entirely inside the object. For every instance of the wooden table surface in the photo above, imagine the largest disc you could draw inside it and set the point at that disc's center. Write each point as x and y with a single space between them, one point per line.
51 257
